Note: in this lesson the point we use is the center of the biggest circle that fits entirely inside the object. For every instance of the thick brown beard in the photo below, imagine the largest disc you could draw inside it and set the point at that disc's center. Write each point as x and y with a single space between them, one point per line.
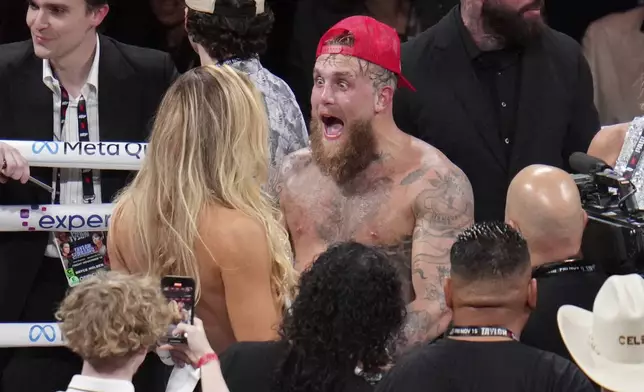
354 155
510 25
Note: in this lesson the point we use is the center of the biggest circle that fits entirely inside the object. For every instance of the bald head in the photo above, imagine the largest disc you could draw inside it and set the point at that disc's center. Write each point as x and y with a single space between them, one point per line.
543 203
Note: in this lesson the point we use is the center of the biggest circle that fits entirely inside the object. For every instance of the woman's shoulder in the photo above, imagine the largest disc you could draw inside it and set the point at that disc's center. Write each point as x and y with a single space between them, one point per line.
229 224
231 235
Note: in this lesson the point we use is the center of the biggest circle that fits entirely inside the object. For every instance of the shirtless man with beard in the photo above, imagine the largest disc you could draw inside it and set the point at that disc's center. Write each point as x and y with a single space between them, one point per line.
365 180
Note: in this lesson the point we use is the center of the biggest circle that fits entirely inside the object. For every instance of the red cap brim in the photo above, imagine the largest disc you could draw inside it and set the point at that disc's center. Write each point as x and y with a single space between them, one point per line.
402 82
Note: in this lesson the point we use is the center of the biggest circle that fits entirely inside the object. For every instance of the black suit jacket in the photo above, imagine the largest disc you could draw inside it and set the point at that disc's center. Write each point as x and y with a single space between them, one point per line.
132 82
556 115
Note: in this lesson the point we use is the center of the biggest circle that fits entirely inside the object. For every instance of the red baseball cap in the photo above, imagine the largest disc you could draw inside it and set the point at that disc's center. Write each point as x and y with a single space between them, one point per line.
373 41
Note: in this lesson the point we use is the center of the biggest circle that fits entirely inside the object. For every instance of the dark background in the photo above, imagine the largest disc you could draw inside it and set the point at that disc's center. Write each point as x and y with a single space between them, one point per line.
130 21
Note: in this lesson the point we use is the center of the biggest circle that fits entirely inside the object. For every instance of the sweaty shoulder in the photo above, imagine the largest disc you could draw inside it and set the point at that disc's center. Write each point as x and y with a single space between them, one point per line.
227 233
295 162
441 189
433 159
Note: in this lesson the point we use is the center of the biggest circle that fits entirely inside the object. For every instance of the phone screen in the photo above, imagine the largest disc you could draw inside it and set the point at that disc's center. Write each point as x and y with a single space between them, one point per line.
180 292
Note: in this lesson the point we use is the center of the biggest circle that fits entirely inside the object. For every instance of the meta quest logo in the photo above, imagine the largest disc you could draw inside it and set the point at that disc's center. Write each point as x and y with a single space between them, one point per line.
136 150
38 333
62 222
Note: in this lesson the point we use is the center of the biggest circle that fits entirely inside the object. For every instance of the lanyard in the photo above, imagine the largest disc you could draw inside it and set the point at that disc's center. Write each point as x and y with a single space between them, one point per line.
636 155
563 267
83 136
498 332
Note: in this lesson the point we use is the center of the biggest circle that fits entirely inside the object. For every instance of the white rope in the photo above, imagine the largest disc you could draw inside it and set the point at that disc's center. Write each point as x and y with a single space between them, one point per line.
56 217
81 155
49 335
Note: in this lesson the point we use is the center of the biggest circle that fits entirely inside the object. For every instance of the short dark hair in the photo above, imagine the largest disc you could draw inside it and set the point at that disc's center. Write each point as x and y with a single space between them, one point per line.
349 312
94 4
489 250
231 37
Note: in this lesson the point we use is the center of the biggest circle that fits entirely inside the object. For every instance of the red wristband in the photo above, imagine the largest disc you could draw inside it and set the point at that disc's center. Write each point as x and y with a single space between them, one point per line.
206 359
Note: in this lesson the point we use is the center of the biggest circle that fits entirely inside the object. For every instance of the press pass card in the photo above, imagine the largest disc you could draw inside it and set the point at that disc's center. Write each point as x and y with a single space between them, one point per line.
82 254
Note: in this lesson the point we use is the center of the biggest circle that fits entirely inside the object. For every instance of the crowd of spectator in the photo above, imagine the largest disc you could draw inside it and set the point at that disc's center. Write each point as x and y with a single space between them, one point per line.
368 195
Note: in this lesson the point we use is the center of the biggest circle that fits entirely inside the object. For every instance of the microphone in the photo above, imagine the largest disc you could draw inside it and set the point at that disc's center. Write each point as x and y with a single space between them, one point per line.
586 164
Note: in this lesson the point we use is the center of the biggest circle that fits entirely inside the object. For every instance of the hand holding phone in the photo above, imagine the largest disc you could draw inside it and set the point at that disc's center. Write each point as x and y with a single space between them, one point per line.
196 347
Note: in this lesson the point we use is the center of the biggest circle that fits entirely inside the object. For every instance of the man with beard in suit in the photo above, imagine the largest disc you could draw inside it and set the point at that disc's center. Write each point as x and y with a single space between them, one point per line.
497 91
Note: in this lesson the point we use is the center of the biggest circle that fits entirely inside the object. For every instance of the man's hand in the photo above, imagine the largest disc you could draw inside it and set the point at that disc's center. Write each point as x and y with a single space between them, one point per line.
14 165
443 208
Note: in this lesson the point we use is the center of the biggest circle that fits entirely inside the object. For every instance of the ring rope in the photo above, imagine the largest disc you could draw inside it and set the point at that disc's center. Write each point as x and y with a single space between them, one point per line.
81 155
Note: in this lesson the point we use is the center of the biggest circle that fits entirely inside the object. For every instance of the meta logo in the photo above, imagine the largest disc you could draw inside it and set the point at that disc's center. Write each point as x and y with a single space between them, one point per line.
60 222
39 147
136 150
39 332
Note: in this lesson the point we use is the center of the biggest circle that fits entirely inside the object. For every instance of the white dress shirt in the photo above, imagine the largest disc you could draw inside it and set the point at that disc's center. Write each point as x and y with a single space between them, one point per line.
71 185
92 384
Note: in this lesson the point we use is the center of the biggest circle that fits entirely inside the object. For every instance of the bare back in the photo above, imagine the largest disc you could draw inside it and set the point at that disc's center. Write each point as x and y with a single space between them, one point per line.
379 207
229 306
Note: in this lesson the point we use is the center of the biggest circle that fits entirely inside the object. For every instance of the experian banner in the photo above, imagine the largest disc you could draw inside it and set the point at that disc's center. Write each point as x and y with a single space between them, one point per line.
56 217
81 155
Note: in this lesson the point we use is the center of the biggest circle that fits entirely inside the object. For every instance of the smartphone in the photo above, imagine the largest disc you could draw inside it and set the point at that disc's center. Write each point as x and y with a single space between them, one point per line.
180 293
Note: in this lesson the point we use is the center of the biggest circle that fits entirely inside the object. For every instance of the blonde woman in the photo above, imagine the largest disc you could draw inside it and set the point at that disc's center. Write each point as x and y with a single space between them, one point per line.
196 207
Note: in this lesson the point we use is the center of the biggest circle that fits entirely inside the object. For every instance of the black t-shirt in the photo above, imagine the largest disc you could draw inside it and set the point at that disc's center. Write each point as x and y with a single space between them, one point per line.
251 367
463 366
573 288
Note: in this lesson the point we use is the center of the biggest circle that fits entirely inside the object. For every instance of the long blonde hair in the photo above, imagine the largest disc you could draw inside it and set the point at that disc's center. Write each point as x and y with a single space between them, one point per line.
209 144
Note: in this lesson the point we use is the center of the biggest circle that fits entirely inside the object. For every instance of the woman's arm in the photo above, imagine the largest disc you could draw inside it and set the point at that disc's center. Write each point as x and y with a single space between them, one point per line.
241 252
607 143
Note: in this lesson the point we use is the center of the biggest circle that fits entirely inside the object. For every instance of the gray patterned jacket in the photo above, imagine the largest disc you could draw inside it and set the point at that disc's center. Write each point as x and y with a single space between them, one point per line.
287 127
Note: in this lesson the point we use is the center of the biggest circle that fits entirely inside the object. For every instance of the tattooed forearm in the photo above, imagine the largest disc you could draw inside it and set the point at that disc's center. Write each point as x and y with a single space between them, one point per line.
421 324
416 327
434 289
442 210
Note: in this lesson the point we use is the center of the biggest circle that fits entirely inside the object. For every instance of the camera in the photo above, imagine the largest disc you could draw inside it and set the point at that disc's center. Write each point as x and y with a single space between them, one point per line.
614 236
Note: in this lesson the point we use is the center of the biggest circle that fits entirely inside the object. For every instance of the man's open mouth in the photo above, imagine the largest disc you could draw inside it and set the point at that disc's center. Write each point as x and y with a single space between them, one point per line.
333 126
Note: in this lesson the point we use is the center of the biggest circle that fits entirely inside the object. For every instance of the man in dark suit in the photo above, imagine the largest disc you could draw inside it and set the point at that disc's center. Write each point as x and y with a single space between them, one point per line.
497 90
65 79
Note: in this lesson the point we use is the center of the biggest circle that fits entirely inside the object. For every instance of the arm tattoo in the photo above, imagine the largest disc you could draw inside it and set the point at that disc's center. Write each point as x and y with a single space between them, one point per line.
414 327
291 164
434 288
414 176
442 209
